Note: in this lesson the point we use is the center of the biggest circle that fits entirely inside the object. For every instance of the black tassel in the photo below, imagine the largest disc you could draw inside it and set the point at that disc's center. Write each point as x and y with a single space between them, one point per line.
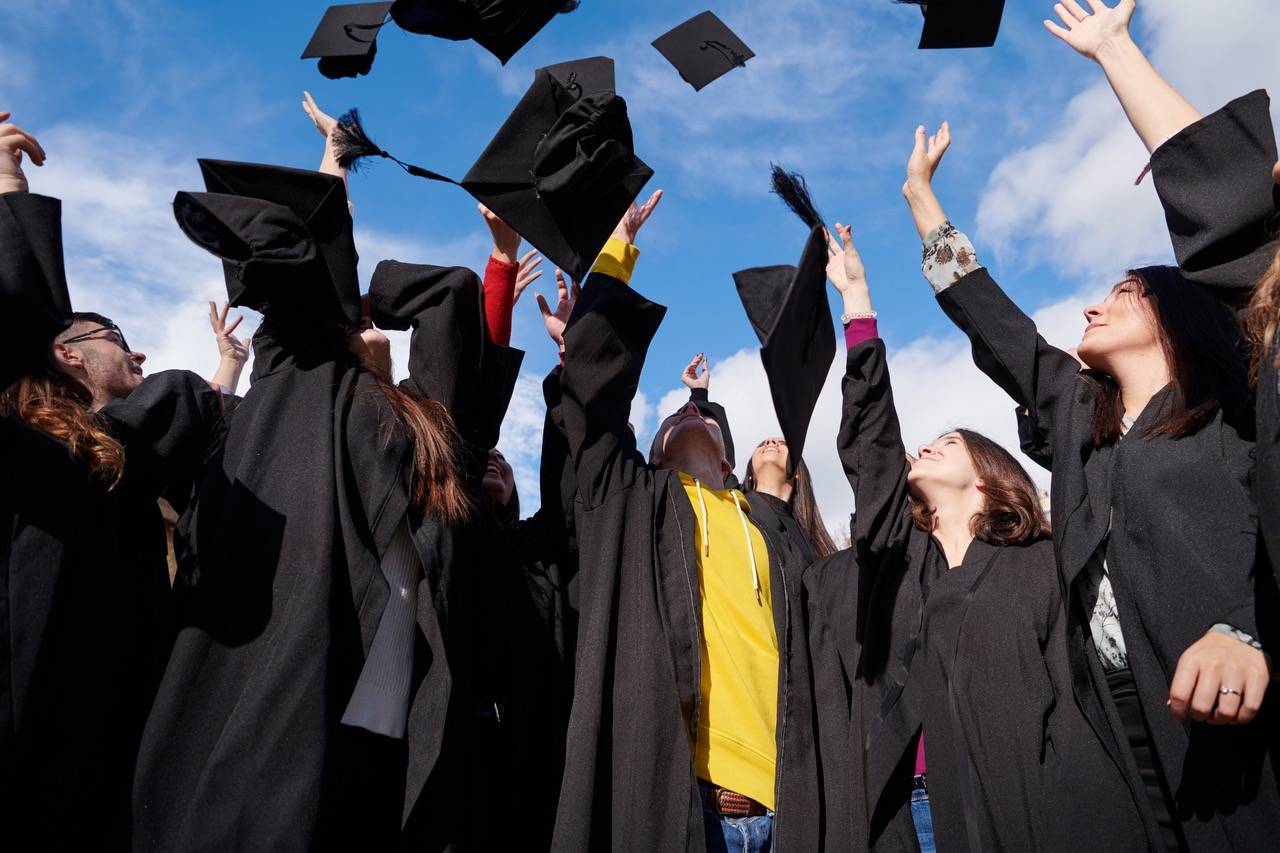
792 189
353 144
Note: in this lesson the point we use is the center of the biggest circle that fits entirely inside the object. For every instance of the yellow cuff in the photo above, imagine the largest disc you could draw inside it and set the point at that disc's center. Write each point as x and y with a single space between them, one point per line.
617 259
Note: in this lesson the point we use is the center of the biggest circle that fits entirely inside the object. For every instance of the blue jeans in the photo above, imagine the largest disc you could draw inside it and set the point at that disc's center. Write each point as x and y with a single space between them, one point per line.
737 834
923 819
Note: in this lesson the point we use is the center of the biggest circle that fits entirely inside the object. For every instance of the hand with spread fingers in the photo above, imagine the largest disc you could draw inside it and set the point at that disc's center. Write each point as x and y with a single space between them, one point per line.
926 154
846 273
1219 680
692 378
14 142
635 218
557 320
528 272
1093 32
233 352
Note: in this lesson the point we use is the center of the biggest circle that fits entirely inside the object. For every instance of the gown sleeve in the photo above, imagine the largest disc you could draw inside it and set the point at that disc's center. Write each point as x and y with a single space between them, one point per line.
33 286
606 343
169 425
1220 201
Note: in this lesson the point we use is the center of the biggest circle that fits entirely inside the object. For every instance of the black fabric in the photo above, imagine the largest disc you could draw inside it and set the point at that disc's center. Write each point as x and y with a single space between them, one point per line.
976 655
788 310
1032 440
1183 554
585 76
244 745
346 40
561 171
1221 201
501 27
954 24
703 49
283 235
629 783
33 281
86 616
1124 693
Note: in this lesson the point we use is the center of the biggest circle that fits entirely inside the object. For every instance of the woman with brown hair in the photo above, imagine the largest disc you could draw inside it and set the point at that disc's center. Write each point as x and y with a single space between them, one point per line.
952 633
1170 597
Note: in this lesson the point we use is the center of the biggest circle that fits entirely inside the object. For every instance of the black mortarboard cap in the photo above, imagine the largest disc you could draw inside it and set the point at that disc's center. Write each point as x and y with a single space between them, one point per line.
703 49
585 76
346 41
501 27
959 23
33 282
281 233
788 309
1220 200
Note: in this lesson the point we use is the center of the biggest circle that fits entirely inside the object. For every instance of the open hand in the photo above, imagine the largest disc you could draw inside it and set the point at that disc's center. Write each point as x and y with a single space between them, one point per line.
13 142
691 378
635 218
230 348
925 157
844 264
1091 32
557 320
528 272
506 242
1219 680
324 122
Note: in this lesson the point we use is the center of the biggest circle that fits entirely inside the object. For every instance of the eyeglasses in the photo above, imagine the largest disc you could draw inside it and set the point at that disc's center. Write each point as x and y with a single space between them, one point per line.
113 334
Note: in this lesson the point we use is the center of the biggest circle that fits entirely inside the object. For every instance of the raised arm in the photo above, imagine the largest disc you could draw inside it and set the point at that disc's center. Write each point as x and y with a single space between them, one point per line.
233 352
606 341
1006 345
696 376
1155 109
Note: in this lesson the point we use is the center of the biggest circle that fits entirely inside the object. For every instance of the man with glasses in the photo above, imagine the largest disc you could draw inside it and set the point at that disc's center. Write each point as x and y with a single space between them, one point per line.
94 352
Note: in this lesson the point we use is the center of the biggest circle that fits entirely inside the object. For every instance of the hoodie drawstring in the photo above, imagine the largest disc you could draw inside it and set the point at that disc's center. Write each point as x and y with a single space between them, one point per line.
746 534
706 530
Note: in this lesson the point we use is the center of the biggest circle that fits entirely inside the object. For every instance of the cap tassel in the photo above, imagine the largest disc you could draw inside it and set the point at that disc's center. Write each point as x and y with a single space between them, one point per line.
354 145
794 192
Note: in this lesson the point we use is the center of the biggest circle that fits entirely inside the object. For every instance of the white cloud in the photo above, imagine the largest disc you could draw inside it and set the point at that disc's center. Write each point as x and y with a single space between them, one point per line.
1069 200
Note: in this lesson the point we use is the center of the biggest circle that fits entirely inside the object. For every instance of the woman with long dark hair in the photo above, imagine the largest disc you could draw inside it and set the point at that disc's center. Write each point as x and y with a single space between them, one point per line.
321 681
1156 527
952 634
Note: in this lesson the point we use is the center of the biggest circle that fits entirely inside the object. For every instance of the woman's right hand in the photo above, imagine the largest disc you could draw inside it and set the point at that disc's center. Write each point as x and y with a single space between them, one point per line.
13 142
692 379
557 320
1090 33
925 157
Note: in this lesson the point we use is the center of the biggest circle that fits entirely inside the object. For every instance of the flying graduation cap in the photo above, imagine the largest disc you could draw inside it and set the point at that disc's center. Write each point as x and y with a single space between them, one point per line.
282 234
788 309
501 27
703 49
346 41
561 171
958 23
33 281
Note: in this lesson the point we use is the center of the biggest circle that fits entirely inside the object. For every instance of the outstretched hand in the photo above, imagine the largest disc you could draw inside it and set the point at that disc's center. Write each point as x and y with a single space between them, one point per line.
528 273
506 242
326 124
557 320
691 378
1089 33
635 218
925 157
846 273
230 348
14 141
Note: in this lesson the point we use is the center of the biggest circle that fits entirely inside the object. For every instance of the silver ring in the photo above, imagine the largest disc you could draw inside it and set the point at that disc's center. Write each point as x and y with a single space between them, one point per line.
1228 690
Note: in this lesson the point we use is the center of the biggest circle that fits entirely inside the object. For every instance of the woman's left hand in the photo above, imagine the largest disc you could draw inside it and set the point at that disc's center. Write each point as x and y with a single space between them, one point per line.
230 348
528 272
1219 680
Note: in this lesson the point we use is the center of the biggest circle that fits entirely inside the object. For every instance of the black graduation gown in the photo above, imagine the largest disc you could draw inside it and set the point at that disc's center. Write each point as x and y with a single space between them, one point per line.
976 655
283 594
1183 554
1222 204
527 638
86 612
629 782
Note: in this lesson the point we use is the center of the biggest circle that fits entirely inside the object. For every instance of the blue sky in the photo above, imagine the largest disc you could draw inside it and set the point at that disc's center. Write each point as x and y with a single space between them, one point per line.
125 94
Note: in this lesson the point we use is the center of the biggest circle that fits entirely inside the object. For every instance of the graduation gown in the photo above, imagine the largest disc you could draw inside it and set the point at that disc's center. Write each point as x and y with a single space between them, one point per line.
629 781
1221 203
976 655
86 617
282 595
1183 555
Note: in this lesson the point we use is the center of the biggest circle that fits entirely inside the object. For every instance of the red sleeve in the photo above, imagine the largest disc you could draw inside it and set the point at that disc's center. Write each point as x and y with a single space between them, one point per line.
499 299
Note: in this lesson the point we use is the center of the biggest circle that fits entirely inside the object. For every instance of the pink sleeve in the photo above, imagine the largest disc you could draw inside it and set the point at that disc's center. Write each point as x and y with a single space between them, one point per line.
859 330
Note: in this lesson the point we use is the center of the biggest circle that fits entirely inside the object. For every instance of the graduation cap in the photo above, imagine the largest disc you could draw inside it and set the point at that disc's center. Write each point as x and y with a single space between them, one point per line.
560 171
584 76
33 281
281 234
959 23
788 309
346 41
703 49
501 27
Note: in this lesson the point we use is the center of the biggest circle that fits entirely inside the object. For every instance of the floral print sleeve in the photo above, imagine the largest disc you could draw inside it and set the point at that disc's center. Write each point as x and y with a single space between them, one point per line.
948 257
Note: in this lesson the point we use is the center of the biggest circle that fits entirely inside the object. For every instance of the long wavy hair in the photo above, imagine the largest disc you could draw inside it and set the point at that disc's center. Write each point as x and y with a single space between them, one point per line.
1262 320
56 404
804 506
1011 512
1202 345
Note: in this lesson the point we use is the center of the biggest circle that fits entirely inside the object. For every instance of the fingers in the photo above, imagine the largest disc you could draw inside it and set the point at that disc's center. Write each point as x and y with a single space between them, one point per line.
1255 690
543 306
1098 6
20 140
1074 8
1227 710
646 210
691 369
1182 687
846 235
1205 696
1057 30
920 142
527 256
213 315
226 307
562 290
4 115
234 325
